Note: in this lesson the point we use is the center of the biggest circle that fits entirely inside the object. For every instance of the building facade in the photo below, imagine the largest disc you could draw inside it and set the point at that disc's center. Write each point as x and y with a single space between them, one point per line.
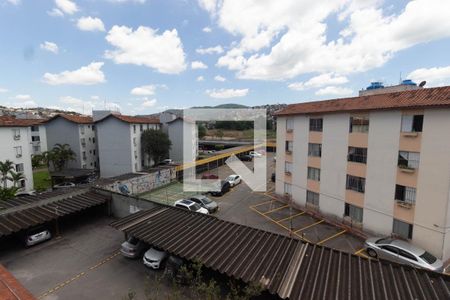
79 133
380 163
182 133
119 144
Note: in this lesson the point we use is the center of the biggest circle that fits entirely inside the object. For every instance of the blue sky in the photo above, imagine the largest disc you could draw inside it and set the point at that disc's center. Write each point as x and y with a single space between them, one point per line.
143 56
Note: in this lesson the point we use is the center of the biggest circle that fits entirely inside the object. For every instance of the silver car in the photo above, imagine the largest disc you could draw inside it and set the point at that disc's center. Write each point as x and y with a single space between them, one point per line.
154 258
205 202
402 252
132 247
37 235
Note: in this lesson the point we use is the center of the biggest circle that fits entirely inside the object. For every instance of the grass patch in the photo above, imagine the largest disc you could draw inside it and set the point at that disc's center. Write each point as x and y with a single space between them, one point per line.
41 180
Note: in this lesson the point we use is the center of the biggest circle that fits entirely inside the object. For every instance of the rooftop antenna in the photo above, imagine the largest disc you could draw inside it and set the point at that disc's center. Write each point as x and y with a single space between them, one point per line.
400 82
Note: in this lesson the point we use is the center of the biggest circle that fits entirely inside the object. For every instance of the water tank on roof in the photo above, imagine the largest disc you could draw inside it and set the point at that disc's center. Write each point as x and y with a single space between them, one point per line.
408 82
375 85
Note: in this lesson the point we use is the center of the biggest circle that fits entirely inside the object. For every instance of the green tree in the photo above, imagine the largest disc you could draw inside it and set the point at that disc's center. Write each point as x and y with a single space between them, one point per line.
5 168
16 177
36 161
62 154
8 175
47 157
156 144
201 131
219 133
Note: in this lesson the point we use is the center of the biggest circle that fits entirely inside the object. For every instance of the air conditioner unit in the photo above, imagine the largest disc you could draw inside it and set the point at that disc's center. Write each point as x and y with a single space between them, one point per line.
17 137
18 155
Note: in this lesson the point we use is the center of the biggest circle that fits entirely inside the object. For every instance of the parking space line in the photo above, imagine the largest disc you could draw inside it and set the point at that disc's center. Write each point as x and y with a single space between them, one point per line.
360 253
332 237
311 225
291 217
276 209
261 203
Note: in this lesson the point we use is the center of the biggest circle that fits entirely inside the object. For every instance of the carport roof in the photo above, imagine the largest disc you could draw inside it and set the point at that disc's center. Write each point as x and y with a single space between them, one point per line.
285 266
31 211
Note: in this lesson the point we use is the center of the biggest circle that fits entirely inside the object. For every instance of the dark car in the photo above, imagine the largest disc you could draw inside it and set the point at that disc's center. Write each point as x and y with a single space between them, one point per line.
246 158
209 176
224 188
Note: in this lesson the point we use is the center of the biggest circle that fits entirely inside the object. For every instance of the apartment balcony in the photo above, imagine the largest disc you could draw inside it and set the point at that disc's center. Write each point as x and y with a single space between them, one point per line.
354 198
356 169
358 139
407 176
289 135
315 137
288 156
17 137
288 177
314 161
313 185
404 211
410 141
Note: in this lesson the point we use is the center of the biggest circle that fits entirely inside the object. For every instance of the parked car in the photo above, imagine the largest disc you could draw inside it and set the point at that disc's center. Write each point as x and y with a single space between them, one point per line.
273 177
205 202
166 162
154 258
402 252
223 188
64 185
25 193
37 235
234 180
132 247
255 154
246 157
190 205
209 176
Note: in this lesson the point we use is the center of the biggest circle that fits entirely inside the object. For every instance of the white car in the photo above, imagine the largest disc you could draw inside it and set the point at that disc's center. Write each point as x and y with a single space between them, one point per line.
154 258
37 235
255 154
64 185
191 205
234 180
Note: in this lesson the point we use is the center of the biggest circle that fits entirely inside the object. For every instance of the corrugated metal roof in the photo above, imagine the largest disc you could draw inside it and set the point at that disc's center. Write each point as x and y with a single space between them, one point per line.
286 266
17 218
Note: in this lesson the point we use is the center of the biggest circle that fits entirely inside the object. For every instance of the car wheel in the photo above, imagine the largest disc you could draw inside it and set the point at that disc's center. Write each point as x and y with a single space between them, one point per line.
372 253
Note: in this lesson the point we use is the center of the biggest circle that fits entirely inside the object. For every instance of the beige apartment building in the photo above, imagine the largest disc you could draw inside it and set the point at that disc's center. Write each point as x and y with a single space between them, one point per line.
378 162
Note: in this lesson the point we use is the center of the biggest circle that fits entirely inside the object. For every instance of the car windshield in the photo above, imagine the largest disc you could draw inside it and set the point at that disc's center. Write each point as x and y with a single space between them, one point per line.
195 207
132 240
205 200
428 257
231 177
384 241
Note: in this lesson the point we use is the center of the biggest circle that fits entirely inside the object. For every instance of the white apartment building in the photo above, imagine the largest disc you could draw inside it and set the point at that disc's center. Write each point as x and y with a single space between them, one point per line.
119 143
380 163
17 146
38 138
79 133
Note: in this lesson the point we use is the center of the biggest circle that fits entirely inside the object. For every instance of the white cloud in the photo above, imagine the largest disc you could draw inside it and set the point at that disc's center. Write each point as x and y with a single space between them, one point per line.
211 50
87 75
90 24
148 103
283 39
198 65
14 2
76 104
433 76
227 93
124 1
334 91
55 13
319 81
3 90
200 78
145 90
207 29
220 78
144 46
66 6
49 46
22 97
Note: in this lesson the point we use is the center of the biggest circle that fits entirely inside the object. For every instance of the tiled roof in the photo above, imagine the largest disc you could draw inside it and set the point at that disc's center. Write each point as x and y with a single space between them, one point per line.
10 287
284 266
421 98
133 119
74 118
8 121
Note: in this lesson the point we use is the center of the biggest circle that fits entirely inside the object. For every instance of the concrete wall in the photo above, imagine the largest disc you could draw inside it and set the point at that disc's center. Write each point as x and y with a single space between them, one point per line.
122 206
114 147
61 131
182 134
91 147
280 156
382 157
299 159
333 169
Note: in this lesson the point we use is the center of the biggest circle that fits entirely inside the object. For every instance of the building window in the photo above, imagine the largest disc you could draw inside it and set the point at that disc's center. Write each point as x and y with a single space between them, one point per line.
82 129
315 150
289 124
359 124
402 229
313 173
93 140
358 155
405 193
288 167
412 123
134 141
408 160
354 212
84 155
141 127
135 166
94 152
35 128
18 151
148 126
312 198
83 142
142 163
135 154
95 164
22 183
16 134
356 183
288 188
289 146
89 126
93 127
134 128
35 138
36 149
315 124
19 168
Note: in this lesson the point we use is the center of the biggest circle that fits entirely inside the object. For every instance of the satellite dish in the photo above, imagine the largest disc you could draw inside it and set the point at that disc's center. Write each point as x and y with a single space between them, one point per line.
422 84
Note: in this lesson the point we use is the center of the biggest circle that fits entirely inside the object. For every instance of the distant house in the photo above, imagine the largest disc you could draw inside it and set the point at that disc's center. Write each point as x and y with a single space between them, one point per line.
21 138
79 133
119 144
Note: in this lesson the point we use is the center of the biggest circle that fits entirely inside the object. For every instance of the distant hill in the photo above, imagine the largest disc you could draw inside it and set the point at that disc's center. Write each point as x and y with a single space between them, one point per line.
227 105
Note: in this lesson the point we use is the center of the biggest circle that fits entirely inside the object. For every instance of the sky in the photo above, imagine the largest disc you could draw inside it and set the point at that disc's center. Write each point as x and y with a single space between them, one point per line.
145 56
